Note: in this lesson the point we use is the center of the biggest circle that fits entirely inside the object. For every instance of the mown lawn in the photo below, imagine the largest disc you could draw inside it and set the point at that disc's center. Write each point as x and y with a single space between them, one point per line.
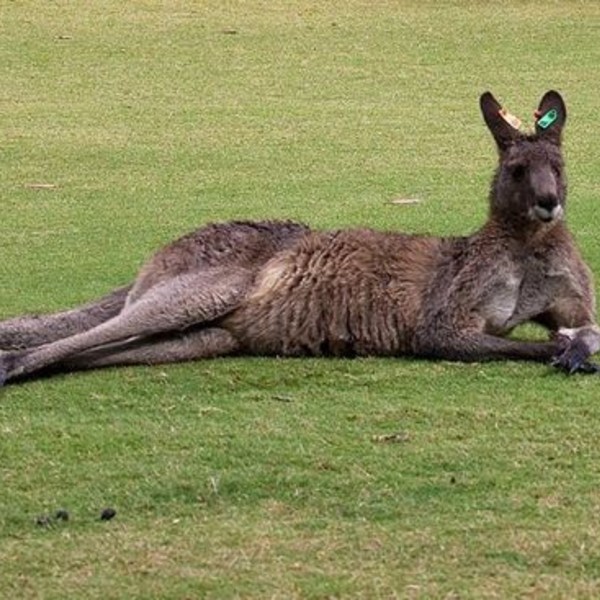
127 124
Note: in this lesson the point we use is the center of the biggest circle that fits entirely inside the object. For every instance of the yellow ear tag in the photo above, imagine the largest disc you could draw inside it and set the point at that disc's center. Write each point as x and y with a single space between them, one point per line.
511 119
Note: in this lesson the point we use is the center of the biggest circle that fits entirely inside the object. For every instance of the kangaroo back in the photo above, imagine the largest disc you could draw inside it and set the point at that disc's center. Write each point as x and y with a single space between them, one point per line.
240 244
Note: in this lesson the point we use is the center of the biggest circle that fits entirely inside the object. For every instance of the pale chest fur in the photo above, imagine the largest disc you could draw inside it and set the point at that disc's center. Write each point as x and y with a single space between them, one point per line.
520 292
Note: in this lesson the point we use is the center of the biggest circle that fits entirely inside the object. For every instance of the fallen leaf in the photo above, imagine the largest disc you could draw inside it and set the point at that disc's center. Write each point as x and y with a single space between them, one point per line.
282 398
405 201
40 186
391 438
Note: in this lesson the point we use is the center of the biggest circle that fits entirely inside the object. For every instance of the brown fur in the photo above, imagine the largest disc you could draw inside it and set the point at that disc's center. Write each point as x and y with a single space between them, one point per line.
277 288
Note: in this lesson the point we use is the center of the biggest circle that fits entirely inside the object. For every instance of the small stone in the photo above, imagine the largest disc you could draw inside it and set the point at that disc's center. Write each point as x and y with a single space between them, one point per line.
62 515
392 438
107 514
43 521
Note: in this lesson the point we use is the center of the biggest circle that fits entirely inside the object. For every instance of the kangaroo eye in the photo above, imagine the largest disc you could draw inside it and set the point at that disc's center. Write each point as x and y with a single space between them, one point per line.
518 172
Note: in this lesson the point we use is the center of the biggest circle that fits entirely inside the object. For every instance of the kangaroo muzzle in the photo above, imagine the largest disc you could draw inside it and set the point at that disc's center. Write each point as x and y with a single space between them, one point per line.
546 205
547 209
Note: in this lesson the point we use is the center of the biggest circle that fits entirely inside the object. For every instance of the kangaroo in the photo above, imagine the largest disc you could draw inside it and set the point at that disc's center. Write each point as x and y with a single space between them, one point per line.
284 289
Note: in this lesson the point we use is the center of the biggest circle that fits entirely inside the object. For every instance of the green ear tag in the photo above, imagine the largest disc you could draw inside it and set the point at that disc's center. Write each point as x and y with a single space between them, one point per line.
547 120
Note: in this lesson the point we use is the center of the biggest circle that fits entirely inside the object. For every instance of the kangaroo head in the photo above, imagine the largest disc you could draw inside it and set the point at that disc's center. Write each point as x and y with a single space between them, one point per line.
529 185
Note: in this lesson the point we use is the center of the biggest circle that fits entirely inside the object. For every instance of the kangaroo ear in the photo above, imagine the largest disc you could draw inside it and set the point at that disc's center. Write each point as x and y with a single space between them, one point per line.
550 117
503 126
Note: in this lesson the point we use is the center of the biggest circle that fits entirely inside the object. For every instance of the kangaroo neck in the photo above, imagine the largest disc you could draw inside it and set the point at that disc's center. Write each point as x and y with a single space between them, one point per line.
522 232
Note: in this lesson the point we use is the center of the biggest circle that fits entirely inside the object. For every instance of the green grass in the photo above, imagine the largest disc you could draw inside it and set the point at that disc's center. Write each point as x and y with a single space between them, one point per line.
263 478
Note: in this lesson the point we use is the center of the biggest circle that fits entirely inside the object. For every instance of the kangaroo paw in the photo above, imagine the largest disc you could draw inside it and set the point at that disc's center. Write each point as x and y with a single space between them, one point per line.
588 368
573 359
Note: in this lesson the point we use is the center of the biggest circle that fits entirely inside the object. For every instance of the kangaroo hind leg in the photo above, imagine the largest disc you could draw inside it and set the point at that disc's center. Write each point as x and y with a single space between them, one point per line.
172 306
189 345
29 331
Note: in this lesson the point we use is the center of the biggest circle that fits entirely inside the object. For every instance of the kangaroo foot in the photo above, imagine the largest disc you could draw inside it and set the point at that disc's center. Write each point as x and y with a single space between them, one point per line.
3 371
10 365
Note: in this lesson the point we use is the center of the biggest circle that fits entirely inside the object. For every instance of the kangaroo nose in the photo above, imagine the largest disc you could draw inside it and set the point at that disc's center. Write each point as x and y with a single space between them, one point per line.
548 203
547 208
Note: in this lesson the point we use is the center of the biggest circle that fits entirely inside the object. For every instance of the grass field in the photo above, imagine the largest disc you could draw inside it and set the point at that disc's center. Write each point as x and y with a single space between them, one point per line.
125 124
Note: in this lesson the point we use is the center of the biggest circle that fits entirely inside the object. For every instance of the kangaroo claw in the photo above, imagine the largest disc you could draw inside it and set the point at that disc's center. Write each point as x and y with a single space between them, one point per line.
589 368
573 360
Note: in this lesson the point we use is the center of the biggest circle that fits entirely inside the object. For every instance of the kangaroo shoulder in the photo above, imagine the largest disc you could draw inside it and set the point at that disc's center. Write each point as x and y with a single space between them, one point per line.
558 259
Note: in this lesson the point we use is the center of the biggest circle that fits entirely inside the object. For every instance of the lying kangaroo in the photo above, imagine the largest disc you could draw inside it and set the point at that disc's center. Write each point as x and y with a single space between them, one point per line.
278 288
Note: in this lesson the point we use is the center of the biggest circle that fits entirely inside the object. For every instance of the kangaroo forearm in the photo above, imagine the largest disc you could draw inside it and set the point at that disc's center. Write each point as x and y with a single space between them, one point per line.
476 347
